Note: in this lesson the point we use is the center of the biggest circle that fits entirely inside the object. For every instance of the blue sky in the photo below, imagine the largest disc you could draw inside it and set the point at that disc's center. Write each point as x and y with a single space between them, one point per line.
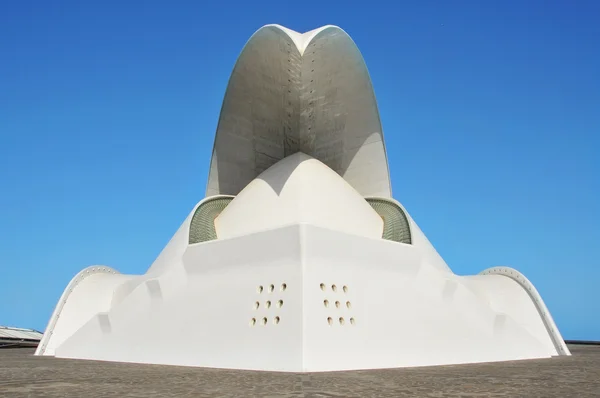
491 111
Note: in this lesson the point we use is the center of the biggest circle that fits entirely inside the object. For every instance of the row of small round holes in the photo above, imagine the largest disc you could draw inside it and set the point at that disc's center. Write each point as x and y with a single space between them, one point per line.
271 288
268 304
333 287
337 304
341 321
264 321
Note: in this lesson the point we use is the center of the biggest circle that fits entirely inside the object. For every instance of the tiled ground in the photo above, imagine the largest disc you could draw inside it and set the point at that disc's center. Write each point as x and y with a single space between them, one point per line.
23 375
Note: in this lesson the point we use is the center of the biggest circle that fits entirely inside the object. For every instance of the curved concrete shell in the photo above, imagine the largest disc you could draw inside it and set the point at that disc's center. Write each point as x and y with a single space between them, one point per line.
302 262
292 92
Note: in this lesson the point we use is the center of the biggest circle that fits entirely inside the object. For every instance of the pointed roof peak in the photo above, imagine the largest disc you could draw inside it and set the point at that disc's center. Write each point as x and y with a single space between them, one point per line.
301 40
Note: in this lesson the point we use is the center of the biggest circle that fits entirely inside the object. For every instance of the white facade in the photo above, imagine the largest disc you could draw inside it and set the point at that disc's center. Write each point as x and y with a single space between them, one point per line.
302 266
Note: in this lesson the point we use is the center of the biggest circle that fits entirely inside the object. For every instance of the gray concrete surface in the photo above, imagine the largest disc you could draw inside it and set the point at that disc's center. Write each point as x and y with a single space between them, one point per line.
279 102
23 375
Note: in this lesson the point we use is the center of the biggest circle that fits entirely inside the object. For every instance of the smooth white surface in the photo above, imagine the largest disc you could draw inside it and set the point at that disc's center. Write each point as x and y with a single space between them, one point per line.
420 241
406 312
222 292
89 292
515 300
401 318
178 243
296 190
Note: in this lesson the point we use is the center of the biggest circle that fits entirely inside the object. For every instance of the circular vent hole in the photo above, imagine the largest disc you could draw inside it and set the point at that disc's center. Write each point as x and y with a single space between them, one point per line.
322 285
352 321
264 321
253 322
330 321
268 304
348 305
345 288
259 289
342 320
256 305
326 303
283 287
334 288
276 320
337 304
279 303
271 288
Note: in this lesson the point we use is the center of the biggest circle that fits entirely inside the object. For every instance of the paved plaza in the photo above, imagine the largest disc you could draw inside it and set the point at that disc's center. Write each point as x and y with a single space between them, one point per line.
23 375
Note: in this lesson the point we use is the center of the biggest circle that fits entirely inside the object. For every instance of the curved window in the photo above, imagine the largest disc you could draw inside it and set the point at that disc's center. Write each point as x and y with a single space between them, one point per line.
395 222
202 226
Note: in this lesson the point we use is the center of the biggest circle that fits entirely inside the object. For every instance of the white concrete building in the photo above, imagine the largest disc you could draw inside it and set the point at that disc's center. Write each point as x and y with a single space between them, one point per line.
299 259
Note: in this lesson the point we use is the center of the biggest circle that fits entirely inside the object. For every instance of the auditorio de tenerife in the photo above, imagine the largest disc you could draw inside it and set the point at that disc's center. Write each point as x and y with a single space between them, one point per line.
299 258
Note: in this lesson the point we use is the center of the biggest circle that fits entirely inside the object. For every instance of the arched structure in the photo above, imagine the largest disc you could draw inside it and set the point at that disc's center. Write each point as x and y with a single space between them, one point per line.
299 259
536 301
202 226
89 292
396 226
291 93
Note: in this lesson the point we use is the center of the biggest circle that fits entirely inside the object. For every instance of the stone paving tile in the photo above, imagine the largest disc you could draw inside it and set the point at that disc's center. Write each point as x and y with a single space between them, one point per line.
23 375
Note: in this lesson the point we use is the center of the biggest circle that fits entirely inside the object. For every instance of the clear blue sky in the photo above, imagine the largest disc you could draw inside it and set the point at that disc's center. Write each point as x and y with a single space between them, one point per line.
491 111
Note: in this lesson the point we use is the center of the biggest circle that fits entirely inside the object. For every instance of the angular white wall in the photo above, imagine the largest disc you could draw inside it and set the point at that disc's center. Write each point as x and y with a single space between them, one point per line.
401 311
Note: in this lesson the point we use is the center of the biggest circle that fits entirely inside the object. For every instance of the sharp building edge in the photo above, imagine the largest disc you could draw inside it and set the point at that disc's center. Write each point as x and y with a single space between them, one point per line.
298 259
